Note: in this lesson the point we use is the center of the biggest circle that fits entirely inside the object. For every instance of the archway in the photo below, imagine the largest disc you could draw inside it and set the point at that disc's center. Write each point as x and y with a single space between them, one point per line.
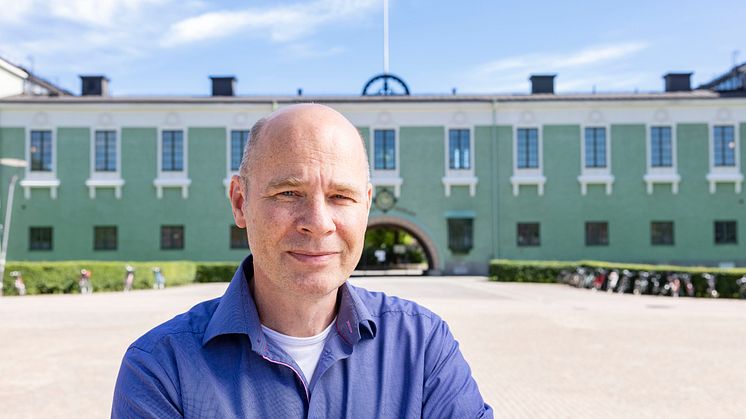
397 247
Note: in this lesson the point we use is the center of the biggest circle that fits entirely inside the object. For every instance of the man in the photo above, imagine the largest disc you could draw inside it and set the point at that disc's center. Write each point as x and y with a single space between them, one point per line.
290 337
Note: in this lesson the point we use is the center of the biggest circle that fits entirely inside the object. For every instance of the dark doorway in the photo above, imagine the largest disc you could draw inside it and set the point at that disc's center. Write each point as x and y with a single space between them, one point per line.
393 250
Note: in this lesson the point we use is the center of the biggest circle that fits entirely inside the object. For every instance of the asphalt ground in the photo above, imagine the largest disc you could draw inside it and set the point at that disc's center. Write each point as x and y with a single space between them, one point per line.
536 350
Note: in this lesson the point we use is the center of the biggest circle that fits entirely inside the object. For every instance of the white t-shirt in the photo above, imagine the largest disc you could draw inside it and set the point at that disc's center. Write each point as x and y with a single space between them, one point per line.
304 351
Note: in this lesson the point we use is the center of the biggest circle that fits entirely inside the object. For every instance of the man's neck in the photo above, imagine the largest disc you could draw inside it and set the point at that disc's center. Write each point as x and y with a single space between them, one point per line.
293 315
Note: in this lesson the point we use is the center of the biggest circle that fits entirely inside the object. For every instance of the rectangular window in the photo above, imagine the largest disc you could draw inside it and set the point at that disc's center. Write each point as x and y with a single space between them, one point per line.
597 233
528 234
238 238
460 234
459 149
661 154
595 147
105 238
172 151
238 143
726 232
172 237
661 233
528 148
41 151
724 145
106 151
40 238
384 148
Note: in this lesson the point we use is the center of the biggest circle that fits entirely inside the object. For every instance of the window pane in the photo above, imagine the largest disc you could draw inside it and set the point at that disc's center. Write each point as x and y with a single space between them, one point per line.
724 145
172 237
460 234
726 232
238 143
40 238
595 147
384 145
661 233
106 151
528 234
105 238
596 233
459 149
528 148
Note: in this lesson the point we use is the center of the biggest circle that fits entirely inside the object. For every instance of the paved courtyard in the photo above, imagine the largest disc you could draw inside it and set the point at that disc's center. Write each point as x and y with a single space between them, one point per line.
539 351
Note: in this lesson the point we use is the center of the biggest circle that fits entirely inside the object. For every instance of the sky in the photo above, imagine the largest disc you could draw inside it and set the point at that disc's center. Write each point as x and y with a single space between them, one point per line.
171 47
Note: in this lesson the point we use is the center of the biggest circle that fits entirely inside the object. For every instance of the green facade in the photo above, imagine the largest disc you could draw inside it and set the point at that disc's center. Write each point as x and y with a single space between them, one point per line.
561 211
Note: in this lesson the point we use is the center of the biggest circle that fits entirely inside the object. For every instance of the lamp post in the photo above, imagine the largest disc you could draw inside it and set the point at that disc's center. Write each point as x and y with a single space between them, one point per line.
8 211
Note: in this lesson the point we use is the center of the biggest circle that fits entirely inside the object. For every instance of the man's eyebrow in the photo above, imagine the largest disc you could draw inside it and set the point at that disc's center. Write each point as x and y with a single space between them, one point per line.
285 182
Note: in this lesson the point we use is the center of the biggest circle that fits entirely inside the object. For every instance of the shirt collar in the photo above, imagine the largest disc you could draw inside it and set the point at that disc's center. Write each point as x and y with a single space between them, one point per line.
236 313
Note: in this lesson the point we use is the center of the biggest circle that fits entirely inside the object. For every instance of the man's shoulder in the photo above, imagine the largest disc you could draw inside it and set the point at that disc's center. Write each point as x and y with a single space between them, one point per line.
380 304
190 325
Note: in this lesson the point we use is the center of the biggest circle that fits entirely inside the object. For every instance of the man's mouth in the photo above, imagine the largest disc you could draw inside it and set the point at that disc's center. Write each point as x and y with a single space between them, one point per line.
312 257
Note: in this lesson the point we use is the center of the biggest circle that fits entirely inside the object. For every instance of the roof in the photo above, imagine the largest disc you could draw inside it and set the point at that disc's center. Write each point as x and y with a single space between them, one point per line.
736 71
422 98
32 78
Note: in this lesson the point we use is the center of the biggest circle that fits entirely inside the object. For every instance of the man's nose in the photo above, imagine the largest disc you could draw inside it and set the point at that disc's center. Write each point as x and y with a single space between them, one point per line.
316 217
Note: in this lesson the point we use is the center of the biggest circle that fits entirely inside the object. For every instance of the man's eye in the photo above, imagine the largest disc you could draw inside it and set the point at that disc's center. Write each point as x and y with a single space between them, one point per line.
287 193
343 197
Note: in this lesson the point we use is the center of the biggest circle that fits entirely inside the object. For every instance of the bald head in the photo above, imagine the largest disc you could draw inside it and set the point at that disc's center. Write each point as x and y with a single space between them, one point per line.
302 122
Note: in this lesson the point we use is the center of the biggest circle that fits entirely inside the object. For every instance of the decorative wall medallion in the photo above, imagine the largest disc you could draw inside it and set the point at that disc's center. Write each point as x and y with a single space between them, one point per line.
724 115
172 119
527 117
240 119
40 118
384 200
661 115
105 119
384 118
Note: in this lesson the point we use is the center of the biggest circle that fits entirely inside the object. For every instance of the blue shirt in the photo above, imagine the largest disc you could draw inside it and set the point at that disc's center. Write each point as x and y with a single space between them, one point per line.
385 358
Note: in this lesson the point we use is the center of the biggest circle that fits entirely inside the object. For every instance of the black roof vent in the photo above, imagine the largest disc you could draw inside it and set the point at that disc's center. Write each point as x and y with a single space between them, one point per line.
94 86
678 82
223 86
542 83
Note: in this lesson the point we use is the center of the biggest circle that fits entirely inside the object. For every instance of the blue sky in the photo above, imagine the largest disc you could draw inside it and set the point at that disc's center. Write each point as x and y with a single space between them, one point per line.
170 47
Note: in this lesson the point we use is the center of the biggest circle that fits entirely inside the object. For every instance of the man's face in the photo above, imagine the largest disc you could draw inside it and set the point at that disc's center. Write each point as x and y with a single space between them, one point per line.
307 201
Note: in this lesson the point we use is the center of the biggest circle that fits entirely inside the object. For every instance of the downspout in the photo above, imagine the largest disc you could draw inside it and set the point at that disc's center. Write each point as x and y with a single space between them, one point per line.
494 184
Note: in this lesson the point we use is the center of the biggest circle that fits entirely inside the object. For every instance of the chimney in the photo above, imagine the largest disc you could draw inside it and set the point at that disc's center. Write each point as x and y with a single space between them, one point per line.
542 83
223 86
94 86
678 82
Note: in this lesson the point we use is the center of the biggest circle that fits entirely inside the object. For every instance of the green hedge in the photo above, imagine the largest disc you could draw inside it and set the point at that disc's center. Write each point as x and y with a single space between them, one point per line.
215 271
62 277
505 270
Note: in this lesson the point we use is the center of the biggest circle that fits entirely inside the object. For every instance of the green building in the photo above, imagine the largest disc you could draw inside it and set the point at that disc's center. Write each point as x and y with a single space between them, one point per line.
639 177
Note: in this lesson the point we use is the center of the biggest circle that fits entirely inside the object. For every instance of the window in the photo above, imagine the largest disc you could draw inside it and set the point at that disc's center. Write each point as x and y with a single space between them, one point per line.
384 149
661 233
724 146
238 143
41 151
105 238
106 151
660 147
528 148
725 232
238 238
595 147
40 238
597 233
528 234
172 237
459 149
460 234
172 151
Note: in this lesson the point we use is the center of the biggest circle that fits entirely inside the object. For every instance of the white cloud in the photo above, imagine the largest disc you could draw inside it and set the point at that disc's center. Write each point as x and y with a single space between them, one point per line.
281 23
511 73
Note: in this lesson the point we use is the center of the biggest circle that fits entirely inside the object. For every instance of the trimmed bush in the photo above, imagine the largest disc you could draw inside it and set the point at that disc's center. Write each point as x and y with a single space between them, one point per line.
505 270
215 271
62 277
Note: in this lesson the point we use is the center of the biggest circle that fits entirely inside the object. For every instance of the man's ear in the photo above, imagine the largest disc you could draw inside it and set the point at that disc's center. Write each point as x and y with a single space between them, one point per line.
238 199
370 196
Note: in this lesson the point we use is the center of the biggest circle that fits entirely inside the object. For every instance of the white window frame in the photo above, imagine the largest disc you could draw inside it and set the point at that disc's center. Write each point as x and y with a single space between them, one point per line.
228 172
595 175
101 179
528 176
385 177
653 175
721 174
40 179
459 177
172 179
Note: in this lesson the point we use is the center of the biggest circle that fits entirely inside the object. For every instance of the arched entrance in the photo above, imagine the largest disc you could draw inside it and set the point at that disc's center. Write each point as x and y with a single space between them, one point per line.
397 247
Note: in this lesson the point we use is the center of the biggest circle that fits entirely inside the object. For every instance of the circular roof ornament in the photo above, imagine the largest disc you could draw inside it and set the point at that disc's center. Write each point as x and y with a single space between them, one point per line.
385 84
